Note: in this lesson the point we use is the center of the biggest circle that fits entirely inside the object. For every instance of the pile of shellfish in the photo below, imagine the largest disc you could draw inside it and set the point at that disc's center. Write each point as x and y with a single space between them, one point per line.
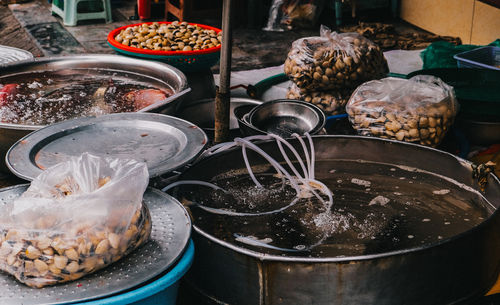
40 260
334 64
331 102
420 110
175 36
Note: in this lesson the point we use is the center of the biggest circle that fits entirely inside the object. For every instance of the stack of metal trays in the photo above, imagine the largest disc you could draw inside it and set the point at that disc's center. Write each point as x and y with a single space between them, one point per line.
169 238
164 143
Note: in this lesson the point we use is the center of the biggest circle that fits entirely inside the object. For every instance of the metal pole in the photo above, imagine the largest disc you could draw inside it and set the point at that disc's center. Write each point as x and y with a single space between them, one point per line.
222 97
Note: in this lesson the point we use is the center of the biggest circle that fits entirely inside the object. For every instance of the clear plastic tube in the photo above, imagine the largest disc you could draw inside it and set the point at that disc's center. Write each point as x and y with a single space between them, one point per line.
285 156
324 189
313 156
242 214
306 154
298 183
257 243
280 140
197 182
249 168
273 162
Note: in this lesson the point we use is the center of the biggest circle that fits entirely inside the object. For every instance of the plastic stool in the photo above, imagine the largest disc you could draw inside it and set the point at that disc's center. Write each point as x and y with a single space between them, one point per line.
70 15
190 10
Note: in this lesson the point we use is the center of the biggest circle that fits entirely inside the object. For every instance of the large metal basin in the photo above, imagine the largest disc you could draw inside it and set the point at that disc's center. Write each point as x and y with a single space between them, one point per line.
447 272
157 74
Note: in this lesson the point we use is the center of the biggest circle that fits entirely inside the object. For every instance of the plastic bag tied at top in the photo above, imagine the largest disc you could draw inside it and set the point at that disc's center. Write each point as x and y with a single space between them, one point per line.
334 61
419 110
75 218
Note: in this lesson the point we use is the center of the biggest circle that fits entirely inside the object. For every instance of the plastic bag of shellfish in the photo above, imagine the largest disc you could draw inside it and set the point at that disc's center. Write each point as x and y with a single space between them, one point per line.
334 61
75 218
331 102
419 110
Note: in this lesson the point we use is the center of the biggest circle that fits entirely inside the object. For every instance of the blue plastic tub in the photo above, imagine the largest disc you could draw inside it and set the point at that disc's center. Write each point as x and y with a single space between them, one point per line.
162 291
482 58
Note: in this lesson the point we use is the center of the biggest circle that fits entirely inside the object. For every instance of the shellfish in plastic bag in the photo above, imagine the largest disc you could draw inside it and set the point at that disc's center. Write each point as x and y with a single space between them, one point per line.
75 218
334 61
419 110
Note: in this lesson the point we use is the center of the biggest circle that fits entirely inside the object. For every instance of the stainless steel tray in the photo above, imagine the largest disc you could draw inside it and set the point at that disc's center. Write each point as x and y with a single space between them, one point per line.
9 55
169 237
165 143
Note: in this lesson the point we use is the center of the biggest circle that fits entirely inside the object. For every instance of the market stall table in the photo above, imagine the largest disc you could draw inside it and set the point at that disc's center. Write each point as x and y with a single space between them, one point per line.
274 93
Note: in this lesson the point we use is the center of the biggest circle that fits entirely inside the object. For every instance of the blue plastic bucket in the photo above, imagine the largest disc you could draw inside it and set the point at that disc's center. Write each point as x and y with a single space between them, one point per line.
161 291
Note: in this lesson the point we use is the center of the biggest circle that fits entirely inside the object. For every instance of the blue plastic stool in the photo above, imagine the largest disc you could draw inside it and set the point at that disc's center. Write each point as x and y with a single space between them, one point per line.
69 11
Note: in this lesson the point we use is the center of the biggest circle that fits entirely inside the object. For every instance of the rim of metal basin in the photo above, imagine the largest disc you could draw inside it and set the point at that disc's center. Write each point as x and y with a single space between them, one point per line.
271 257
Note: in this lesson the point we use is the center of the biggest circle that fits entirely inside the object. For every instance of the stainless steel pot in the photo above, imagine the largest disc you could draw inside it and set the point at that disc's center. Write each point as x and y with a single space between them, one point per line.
482 131
155 73
453 270
241 114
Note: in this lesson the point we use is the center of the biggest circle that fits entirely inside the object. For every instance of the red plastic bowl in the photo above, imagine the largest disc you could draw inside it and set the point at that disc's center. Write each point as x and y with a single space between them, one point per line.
117 45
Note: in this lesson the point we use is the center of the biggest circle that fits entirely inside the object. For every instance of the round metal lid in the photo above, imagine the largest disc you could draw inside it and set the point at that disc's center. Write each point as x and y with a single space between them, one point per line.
9 55
169 237
165 143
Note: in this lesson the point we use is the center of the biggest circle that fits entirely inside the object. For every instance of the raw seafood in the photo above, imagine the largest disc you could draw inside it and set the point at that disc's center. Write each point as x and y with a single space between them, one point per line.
144 98
75 218
7 93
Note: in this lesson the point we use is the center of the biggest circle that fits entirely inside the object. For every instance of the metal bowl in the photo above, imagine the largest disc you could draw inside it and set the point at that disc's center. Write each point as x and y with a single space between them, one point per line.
482 131
157 74
241 114
285 117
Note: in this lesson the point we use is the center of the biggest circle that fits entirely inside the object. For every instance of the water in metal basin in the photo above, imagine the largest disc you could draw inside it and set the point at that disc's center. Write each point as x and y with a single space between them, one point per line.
377 208
42 98
285 125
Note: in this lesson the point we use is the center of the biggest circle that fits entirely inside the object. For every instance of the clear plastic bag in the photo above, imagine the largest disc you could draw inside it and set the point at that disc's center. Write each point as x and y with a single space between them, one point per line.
331 102
75 218
274 19
334 61
419 110
293 14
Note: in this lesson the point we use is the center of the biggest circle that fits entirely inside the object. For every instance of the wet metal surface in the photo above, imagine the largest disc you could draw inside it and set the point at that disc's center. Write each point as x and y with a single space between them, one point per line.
9 55
444 272
155 74
165 143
